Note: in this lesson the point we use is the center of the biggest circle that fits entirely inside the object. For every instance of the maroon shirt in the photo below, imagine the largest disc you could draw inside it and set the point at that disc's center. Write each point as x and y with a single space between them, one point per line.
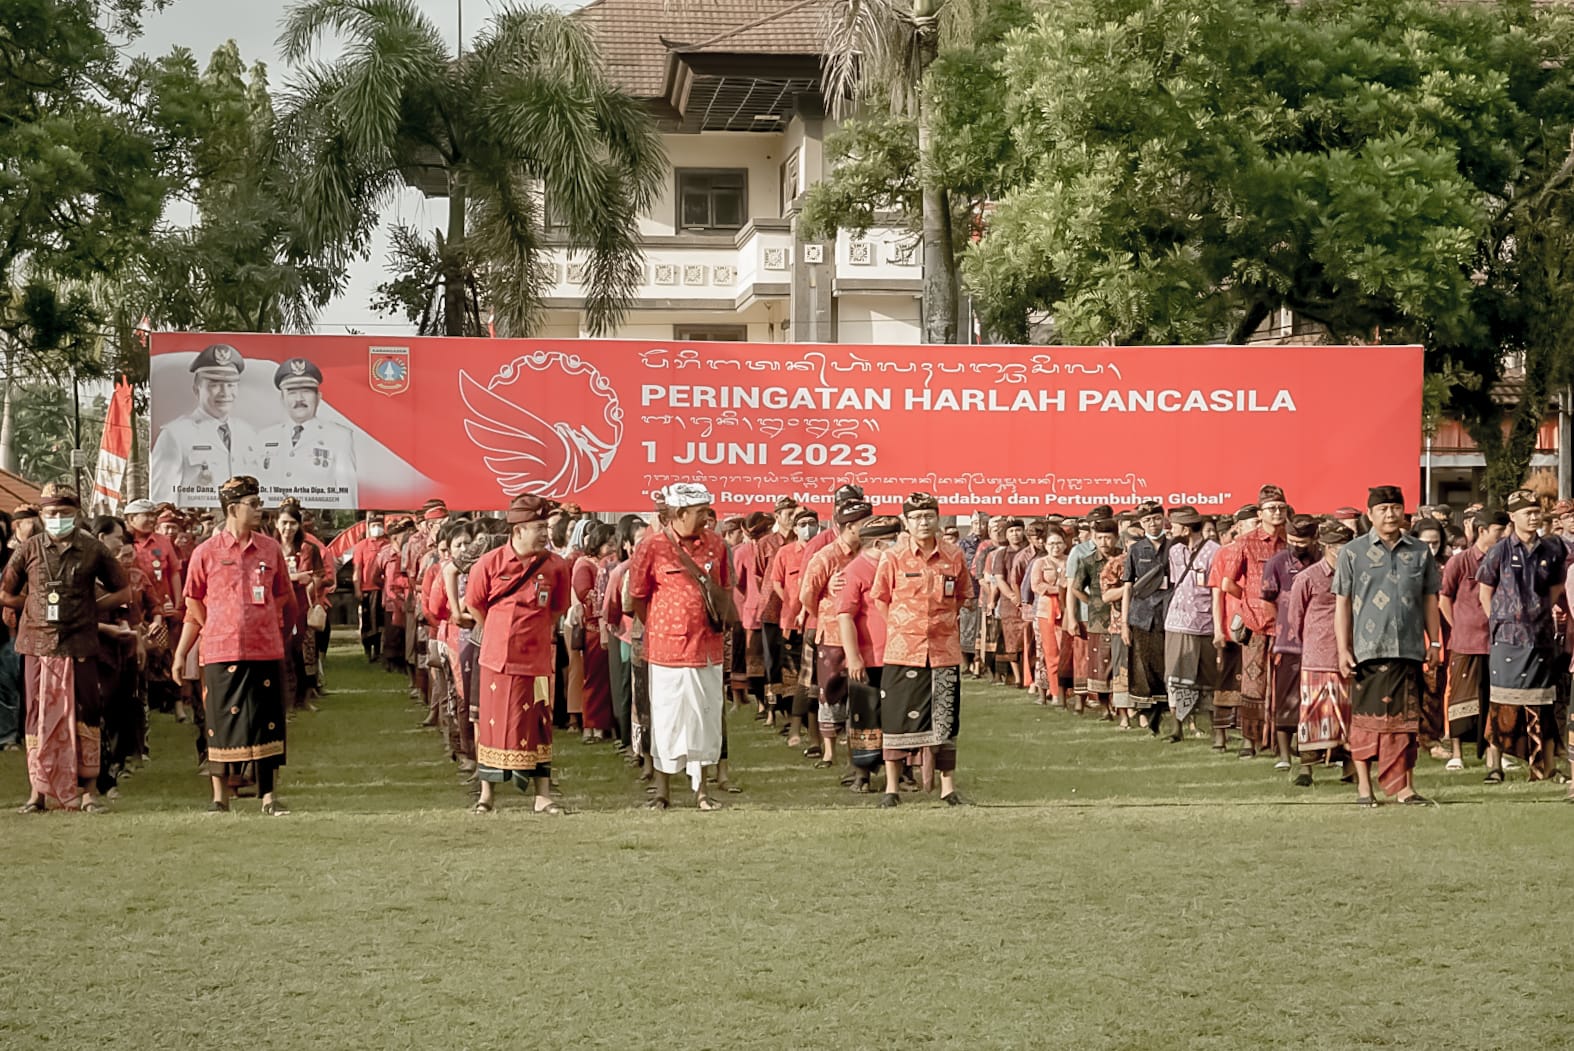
76 568
1311 617
1470 632
222 575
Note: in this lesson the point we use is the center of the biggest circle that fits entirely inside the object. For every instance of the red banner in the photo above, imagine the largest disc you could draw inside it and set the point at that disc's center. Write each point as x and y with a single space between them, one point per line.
606 422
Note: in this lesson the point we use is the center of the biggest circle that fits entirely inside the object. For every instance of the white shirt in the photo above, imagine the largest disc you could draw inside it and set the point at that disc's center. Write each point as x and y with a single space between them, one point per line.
196 454
313 461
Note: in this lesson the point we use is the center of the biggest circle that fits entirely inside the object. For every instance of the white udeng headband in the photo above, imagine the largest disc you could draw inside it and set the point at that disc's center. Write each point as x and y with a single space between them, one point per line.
685 494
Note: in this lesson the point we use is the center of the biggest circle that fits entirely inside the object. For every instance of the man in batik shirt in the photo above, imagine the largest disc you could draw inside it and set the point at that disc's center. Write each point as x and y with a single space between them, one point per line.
1469 690
1284 680
1522 578
1386 583
1242 580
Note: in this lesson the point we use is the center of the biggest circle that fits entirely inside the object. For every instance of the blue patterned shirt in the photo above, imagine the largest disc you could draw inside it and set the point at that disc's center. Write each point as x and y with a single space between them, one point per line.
1387 587
1523 578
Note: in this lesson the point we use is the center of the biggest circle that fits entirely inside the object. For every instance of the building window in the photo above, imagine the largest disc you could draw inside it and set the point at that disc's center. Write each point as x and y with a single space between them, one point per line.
710 333
552 216
790 182
711 199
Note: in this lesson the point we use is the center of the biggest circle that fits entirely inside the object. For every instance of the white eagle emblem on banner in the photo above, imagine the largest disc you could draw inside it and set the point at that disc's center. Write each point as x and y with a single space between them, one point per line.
515 418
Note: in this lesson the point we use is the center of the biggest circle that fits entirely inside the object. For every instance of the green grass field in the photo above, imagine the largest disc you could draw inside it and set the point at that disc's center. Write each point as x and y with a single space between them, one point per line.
1111 891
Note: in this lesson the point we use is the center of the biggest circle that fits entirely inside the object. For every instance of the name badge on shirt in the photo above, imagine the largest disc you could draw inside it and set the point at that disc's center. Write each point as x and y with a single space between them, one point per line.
259 590
950 587
543 593
52 607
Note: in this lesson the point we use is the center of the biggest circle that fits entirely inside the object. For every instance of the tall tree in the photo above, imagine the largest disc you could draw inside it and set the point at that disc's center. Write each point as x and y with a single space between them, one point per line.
527 107
878 167
81 181
246 261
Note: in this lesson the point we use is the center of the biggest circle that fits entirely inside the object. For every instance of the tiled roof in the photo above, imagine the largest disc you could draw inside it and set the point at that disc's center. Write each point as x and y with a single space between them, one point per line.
15 491
636 36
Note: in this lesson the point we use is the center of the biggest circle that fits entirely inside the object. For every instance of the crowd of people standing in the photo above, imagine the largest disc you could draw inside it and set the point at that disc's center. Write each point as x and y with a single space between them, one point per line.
1347 642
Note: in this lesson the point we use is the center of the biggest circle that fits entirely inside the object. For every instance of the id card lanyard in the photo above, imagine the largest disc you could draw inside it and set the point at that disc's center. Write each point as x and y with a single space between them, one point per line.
53 584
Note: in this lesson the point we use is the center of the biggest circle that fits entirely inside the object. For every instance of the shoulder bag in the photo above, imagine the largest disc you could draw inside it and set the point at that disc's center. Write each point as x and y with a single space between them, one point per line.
719 609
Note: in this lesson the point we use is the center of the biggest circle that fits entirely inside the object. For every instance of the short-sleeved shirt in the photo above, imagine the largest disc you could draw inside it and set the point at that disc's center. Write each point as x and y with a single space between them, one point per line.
520 610
677 631
78 568
1147 613
921 618
1191 601
1309 615
1278 577
1089 581
767 548
1523 578
1078 552
160 565
1471 634
786 574
222 576
1387 588
857 582
1227 566
815 590
367 557
1253 552
1048 582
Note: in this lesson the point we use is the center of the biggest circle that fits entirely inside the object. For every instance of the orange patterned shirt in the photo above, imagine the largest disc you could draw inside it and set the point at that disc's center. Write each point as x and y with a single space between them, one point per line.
923 595
816 594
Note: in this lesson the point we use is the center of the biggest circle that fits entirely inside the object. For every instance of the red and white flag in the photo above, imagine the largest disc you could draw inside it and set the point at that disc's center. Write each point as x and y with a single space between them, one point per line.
114 451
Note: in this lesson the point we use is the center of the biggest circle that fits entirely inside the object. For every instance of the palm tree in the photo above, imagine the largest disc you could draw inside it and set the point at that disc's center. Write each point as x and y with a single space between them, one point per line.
877 51
528 108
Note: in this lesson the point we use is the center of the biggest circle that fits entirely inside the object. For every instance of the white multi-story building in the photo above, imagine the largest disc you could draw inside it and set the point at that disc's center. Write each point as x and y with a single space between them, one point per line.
735 87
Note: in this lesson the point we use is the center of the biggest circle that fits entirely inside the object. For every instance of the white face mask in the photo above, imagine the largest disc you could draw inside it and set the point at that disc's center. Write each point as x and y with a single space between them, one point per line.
59 526
375 531
806 531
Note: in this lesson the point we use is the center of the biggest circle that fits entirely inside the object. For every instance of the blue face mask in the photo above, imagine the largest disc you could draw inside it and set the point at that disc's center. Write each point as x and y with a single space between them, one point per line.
61 526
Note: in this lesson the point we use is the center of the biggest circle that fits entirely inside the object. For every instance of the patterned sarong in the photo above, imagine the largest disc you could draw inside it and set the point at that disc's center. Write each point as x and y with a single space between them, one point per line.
1324 722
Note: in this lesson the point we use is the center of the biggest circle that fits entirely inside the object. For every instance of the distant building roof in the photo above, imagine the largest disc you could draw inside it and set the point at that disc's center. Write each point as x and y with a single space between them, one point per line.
16 490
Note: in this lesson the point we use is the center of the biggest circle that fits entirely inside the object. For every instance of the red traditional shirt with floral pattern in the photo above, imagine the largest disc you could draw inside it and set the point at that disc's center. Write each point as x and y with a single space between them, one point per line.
858 580
786 576
366 556
923 594
247 595
520 614
677 632
1252 553
160 565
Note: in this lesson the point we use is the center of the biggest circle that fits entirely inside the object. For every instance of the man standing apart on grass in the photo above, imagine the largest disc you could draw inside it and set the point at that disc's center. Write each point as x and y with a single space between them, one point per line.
1386 585
238 596
50 580
516 594
668 578
1521 580
919 589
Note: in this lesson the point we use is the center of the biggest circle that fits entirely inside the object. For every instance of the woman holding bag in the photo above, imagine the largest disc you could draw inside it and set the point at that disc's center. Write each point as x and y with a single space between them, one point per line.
303 563
585 635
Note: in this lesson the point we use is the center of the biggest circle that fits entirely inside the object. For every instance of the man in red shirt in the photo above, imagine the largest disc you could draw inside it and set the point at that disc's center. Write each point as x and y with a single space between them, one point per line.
682 647
822 582
771 629
413 558
1241 578
161 568
863 640
786 575
238 597
396 586
750 561
366 579
920 587
1228 622
517 593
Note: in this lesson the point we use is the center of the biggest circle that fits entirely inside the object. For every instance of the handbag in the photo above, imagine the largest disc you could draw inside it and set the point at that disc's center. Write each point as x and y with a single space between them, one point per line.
719 608
317 617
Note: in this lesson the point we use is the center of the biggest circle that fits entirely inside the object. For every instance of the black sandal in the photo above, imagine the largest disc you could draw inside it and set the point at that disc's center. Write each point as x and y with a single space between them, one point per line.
706 804
659 803
216 807
1366 802
889 799
823 764
1494 777
481 808
955 799
32 808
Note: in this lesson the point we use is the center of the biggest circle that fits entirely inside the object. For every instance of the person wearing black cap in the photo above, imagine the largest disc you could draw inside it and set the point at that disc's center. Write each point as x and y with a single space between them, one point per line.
1323 713
863 639
1522 579
516 594
1386 583
1191 665
771 629
822 582
920 586
196 452
1095 615
1145 594
1469 690
305 456
1284 679
1229 630
238 592
786 576
1241 576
